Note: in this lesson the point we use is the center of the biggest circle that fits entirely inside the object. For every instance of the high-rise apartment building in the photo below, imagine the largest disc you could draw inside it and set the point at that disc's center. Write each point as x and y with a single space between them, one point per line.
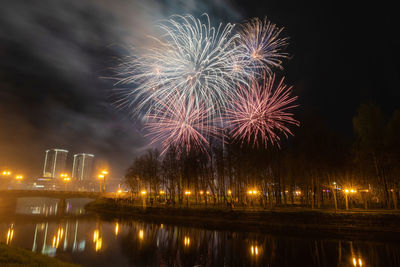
82 168
54 162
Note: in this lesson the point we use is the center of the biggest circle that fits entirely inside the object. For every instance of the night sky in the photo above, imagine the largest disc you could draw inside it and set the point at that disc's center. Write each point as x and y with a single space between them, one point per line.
57 56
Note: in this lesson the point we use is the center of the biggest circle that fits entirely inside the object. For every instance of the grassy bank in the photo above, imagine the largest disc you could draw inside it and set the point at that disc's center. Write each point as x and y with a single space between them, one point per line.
13 256
368 225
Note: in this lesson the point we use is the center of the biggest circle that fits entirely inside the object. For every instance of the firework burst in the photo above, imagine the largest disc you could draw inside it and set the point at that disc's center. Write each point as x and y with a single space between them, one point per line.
181 125
183 83
191 60
259 113
262 44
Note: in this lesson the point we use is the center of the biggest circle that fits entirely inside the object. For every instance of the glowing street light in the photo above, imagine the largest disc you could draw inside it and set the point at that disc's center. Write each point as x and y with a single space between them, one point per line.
346 193
143 193
66 179
252 192
229 192
102 178
187 193
6 173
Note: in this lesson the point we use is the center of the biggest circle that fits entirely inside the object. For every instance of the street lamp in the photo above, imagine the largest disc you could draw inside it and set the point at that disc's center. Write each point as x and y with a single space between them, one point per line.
143 193
102 178
252 192
6 173
162 195
187 193
66 181
346 193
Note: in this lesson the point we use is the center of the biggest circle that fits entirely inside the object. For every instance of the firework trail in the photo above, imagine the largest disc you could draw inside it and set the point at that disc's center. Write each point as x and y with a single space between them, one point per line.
190 61
259 113
179 124
262 44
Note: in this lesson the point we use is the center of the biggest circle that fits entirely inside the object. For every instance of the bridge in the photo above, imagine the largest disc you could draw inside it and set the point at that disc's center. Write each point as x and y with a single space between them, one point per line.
9 198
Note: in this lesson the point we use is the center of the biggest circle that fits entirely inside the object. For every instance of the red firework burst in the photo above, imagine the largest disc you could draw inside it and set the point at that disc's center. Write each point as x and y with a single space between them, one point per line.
259 113
181 125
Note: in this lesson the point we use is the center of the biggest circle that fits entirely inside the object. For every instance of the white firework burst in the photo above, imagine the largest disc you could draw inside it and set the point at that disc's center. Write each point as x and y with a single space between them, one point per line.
190 60
262 45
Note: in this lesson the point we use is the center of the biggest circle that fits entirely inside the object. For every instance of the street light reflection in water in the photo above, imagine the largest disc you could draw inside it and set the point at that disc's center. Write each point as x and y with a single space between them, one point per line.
89 240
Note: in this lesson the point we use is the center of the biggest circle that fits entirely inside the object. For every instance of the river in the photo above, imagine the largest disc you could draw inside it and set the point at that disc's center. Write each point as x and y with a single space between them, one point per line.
79 237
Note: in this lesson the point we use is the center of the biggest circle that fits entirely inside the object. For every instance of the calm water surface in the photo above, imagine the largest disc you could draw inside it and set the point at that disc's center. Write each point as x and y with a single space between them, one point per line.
63 230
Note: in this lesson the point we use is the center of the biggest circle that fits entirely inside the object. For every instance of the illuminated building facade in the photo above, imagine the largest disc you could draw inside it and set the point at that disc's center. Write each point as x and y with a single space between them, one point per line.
82 168
54 162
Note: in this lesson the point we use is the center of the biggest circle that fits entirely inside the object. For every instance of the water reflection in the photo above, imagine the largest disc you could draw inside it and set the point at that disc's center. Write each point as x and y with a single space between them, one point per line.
254 250
116 228
50 206
91 241
10 234
187 241
141 234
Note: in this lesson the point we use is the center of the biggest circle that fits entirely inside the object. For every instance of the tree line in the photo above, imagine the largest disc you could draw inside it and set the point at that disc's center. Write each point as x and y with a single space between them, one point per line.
315 168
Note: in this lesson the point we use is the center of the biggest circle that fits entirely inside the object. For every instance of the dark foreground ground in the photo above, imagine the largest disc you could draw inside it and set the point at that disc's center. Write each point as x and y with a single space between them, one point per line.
13 256
371 225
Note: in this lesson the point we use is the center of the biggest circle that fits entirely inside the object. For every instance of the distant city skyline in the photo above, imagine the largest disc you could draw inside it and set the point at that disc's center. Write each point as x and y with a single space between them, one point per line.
54 162
82 168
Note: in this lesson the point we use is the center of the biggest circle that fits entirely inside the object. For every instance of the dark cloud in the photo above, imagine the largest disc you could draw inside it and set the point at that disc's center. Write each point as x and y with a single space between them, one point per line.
53 55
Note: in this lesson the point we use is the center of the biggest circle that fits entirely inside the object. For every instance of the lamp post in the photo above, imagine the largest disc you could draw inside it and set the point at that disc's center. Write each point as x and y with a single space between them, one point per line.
101 178
187 193
230 198
6 173
346 194
104 173
66 179
143 193
162 195
252 193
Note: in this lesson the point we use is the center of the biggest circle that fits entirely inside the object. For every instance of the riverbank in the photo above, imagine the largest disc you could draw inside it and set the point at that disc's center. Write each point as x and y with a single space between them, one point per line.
13 256
370 225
